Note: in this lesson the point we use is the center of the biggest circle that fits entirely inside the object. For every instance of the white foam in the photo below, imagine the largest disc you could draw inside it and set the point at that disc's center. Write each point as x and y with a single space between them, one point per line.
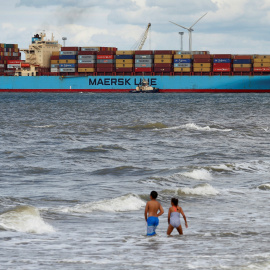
45 126
125 203
24 219
193 126
200 190
199 174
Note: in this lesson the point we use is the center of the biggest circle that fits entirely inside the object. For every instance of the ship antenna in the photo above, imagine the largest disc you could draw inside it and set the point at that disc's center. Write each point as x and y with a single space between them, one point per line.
64 41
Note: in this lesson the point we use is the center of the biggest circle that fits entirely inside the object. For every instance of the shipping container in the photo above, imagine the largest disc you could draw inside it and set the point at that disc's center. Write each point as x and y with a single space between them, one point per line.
54 53
139 56
124 70
67 61
87 53
103 69
142 69
69 53
55 57
165 61
178 69
262 60
183 65
261 69
242 65
143 61
202 60
242 61
241 69
166 65
128 56
55 66
124 65
124 52
102 57
67 70
162 69
202 65
15 66
221 69
71 57
106 53
54 62
90 49
105 65
202 69
261 64
106 61
70 49
144 52
221 65
163 56
163 52
258 56
87 61
202 56
10 62
222 56
243 57
222 60
25 65
143 65
86 65
55 70
67 65
86 69
182 61
87 57
124 61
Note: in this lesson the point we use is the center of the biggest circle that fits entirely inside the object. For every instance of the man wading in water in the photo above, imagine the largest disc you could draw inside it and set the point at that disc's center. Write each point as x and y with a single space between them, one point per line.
154 209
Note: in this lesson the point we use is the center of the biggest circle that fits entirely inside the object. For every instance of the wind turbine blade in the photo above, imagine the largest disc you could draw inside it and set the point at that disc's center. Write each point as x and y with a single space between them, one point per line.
180 25
198 20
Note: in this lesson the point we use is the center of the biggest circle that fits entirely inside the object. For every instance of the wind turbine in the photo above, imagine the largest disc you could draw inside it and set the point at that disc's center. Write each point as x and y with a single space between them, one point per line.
190 30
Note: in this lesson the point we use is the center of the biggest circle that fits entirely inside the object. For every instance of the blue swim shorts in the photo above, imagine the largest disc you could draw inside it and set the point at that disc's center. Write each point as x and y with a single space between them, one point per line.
152 223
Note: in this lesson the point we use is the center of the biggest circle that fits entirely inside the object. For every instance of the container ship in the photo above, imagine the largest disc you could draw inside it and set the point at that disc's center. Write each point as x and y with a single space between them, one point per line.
50 67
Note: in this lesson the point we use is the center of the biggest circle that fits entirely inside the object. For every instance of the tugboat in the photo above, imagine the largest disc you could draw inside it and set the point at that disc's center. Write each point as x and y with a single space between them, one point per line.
144 87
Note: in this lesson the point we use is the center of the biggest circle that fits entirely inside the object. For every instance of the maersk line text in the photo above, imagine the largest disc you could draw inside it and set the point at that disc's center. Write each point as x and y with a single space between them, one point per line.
120 81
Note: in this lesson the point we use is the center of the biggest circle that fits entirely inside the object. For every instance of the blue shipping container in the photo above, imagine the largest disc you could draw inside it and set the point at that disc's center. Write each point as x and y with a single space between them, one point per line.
185 61
127 56
225 60
242 61
68 57
67 65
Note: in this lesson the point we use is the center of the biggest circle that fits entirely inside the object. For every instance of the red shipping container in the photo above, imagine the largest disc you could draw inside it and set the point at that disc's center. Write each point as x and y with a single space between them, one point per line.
202 60
202 56
261 69
243 57
218 69
242 69
143 69
87 53
105 69
162 69
70 48
163 52
16 62
86 65
105 53
105 65
222 65
161 65
55 57
222 56
124 69
143 52
25 65
105 56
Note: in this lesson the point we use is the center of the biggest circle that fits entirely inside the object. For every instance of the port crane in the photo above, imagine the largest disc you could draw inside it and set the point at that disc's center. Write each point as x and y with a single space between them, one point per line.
139 45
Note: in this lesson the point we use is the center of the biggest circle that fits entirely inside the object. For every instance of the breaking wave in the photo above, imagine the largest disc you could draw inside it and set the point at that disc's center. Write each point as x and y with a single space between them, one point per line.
24 219
199 190
193 126
198 174
264 186
125 203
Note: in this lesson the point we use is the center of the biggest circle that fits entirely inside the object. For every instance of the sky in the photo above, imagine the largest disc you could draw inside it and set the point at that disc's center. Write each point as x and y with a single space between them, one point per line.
230 26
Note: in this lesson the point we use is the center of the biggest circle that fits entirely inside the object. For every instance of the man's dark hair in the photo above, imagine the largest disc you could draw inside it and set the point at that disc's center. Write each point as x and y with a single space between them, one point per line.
154 194
175 201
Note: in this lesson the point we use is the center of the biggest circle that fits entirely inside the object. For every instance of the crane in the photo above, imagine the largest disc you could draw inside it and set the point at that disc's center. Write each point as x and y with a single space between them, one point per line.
139 44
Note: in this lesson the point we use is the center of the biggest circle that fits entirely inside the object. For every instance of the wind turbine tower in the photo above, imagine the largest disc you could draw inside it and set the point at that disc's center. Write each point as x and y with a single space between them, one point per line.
190 30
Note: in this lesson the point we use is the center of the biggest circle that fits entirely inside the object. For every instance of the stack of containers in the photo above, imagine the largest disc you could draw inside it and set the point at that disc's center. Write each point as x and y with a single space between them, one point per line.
144 61
2 62
222 62
261 63
124 61
182 62
202 63
163 61
242 63
10 58
68 59
105 61
87 59
55 62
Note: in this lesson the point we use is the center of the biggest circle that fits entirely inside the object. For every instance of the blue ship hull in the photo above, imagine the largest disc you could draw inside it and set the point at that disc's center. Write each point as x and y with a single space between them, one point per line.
126 83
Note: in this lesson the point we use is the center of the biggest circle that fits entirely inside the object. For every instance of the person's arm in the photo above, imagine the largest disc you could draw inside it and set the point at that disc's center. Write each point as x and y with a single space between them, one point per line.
182 213
146 211
169 216
161 211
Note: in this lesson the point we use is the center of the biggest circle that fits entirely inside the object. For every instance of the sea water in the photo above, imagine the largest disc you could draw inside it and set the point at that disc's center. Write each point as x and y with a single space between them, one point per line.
76 171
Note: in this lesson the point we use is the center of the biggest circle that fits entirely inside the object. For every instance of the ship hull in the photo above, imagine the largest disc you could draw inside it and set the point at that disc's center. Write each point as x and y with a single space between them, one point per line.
108 84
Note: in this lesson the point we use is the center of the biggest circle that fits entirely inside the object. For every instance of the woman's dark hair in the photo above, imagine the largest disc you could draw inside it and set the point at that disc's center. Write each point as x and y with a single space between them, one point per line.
154 194
174 201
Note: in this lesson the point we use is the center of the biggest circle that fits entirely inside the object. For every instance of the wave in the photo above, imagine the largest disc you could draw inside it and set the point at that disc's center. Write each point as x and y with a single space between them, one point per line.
153 126
264 186
24 219
45 126
198 174
96 149
129 202
193 126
